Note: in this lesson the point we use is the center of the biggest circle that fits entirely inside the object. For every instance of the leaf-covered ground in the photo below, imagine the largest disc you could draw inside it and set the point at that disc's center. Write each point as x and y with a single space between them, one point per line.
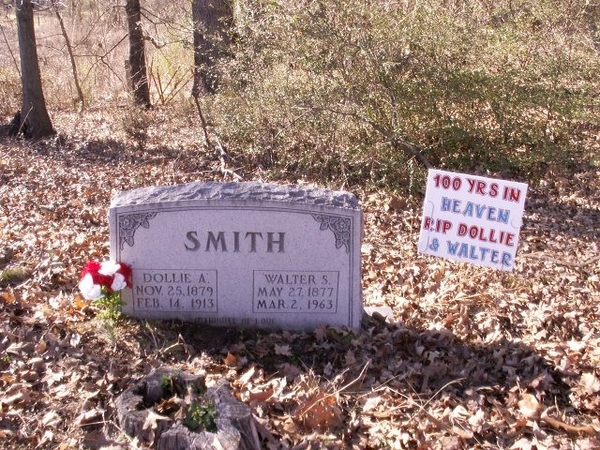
467 358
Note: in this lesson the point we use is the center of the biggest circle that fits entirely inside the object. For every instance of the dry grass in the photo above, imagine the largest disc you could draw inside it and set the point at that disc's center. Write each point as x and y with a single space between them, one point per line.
99 39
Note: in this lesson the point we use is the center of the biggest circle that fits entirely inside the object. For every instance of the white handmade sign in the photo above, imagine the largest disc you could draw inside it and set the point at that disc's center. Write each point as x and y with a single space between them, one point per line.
472 219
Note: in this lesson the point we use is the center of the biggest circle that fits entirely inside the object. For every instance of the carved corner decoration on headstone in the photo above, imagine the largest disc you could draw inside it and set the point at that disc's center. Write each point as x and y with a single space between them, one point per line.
139 418
241 254
128 224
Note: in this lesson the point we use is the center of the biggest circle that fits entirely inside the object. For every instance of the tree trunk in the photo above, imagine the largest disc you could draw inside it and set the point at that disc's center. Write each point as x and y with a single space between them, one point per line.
34 119
213 20
137 58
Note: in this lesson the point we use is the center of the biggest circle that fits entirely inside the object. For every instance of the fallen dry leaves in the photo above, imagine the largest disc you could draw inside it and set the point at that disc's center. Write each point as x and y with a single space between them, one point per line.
466 358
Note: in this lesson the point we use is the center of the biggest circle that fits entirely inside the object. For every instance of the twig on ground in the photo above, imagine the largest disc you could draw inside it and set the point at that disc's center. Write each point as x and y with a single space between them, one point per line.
560 262
571 430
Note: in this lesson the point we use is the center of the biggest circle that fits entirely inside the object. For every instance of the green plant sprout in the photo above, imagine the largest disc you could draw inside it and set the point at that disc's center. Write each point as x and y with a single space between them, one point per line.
110 307
201 414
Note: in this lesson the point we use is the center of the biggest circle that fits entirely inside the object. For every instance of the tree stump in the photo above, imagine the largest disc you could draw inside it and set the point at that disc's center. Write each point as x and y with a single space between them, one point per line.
139 417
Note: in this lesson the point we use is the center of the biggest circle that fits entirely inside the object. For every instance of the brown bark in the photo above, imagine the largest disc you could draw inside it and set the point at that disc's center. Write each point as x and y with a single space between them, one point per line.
34 119
137 57
213 20
236 428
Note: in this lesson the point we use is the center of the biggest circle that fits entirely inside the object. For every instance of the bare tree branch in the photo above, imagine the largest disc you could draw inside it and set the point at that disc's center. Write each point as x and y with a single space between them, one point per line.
395 140
80 98
12 55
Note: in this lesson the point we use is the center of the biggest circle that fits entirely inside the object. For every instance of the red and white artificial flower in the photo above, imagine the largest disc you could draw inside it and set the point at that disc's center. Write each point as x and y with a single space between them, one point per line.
100 279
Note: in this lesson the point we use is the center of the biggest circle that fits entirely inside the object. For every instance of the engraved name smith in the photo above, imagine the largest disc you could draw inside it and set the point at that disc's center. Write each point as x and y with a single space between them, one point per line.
236 241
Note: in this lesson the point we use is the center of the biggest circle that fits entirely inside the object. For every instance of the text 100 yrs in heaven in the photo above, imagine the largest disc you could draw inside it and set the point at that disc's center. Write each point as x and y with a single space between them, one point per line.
472 219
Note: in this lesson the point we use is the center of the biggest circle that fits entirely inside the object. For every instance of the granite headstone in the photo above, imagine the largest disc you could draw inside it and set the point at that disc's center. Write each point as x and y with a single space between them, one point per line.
240 254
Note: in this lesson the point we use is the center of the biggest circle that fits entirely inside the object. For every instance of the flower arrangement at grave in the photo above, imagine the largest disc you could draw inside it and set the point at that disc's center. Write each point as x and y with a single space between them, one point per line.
101 283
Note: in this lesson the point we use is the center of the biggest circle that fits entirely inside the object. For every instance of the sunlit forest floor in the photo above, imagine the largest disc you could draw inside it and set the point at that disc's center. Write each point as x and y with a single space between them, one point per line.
455 356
